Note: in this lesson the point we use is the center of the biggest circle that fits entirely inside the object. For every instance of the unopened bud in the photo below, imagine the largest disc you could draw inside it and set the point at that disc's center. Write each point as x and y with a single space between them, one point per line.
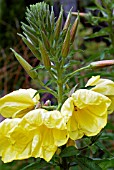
28 68
45 56
103 63
45 40
58 24
52 19
66 45
67 23
47 103
31 47
74 29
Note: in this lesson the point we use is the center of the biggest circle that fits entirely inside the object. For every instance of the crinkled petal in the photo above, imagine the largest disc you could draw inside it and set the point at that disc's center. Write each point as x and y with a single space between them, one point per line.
35 117
88 113
6 144
103 86
44 144
84 97
38 134
18 103
54 119
22 138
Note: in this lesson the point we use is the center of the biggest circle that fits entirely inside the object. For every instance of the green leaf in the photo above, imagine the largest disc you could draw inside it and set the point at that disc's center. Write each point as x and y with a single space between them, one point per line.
102 147
105 163
36 166
87 163
69 151
39 67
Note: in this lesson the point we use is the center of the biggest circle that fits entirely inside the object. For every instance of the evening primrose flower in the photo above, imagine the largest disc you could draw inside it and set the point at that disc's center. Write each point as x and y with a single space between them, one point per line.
18 103
103 86
38 134
85 113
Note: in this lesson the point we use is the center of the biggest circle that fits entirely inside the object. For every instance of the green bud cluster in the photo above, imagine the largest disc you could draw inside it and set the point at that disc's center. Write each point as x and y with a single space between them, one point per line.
45 37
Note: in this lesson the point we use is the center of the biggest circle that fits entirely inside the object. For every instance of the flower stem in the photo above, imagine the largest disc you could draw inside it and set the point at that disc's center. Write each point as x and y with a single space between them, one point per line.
60 84
47 88
76 71
60 92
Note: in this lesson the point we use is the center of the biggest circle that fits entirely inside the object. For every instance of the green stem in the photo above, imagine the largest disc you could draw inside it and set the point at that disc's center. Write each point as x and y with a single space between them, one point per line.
110 15
49 107
76 71
48 89
60 85
65 165
60 93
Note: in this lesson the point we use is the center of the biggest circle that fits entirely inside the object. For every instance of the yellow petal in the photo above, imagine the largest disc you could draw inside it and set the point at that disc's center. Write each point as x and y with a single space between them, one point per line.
83 98
60 137
44 145
88 114
18 103
93 81
67 109
54 119
111 107
35 117
90 123
6 144
103 86
75 132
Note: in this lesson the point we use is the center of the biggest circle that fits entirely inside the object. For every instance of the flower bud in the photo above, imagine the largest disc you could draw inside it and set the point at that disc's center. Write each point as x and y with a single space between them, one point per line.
31 36
28 68
74 29
67 23
52 20
58 24
66 45
47 103
45 56
31 47
103 63
45 40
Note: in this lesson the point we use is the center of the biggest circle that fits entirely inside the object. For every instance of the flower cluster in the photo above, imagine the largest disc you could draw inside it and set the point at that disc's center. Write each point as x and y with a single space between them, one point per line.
30 131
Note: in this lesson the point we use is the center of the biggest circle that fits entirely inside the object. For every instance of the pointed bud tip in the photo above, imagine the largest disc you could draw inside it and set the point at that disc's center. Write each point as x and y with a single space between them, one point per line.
103 63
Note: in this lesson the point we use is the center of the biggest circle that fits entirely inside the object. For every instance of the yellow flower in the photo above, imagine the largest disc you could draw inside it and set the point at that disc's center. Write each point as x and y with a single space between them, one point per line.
103 86
18 103
38 134
86 113
7 151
